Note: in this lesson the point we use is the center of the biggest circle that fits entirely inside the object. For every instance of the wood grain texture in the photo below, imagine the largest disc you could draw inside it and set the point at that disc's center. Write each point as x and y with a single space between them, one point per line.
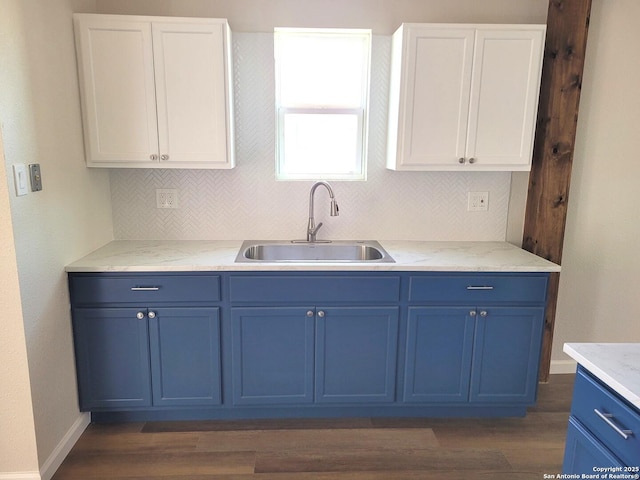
331 449
550 178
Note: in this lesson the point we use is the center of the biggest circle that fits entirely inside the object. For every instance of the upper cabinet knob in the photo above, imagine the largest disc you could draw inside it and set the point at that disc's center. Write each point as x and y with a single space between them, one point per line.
164 157
472 160
461 160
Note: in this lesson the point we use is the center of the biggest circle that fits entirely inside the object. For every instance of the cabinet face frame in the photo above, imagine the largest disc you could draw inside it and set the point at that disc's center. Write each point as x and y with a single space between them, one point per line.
445 80
123 67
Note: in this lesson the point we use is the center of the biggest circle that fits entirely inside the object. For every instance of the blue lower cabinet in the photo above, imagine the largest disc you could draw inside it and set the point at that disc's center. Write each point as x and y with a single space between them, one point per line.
273 354
112 358
143 357
438 354
356 349
583 452
185 356
506 354
602 430
301 355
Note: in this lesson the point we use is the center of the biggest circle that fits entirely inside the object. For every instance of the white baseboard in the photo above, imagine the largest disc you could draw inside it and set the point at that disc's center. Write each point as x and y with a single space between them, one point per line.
562 366
20 476
64 447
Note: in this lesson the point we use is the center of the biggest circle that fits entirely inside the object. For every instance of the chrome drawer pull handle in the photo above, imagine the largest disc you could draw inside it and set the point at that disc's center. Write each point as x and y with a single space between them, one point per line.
607 417
145 289
472 287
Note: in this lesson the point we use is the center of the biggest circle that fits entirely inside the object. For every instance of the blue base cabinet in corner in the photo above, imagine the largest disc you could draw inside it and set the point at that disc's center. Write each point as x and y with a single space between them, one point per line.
602 429
583 452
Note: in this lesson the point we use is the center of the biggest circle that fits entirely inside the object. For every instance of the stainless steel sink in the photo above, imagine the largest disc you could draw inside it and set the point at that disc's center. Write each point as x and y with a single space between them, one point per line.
296 251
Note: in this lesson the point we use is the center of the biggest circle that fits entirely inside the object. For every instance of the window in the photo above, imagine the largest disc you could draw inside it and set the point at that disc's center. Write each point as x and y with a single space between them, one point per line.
322 95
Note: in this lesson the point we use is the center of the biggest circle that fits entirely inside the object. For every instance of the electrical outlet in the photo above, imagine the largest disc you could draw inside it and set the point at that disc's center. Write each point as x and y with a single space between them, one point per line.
478 202
166 198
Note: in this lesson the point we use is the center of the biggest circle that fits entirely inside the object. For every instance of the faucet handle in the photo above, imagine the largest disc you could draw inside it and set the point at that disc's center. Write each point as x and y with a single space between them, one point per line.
315 230
335 211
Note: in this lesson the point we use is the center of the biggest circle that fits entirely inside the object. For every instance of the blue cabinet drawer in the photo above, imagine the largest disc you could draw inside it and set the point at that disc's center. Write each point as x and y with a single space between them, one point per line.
144 289
314 288
591 402
477 288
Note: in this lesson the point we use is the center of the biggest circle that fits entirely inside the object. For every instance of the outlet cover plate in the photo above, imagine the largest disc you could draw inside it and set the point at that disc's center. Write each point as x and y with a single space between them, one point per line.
166 198
478 202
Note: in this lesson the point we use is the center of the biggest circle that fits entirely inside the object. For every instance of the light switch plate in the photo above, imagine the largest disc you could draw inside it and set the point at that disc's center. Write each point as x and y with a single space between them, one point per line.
36 178
20 179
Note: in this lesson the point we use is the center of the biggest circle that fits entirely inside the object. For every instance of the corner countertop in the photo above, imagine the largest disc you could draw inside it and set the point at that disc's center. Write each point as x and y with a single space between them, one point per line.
217 255
616 364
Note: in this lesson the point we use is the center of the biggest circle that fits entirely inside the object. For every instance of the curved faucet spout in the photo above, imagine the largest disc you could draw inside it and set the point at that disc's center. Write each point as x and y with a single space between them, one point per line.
312 229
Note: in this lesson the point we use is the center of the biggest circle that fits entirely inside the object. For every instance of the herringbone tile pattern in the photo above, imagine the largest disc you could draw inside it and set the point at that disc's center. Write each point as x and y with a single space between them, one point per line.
247 202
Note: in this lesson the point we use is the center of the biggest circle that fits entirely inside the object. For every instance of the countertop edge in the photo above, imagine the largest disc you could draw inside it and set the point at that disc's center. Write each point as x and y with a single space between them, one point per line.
218 256
609 378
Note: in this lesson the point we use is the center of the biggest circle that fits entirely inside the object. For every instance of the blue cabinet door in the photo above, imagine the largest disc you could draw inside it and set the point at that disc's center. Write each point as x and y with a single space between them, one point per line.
185 356
356 354
438 354
112 358
583 452
506 355
273 354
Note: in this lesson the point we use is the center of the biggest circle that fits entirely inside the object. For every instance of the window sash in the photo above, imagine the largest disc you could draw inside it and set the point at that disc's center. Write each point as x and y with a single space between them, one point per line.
318 146
357 172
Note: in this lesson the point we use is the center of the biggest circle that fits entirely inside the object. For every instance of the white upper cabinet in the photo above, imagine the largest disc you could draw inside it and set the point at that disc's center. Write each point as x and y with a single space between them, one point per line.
155 91
464 97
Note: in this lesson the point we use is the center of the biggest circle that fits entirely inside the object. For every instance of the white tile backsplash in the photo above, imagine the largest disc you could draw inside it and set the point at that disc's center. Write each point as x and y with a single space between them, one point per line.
247 202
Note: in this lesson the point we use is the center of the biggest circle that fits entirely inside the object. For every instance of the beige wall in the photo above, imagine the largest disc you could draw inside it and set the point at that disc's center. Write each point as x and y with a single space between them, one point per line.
600 282
383 16
18 451
40 115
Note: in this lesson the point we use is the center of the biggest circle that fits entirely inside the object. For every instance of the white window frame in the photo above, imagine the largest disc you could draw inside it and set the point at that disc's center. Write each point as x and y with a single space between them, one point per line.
361 112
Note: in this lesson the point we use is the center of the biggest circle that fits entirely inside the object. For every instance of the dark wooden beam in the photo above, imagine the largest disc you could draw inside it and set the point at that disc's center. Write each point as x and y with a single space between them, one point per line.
548 194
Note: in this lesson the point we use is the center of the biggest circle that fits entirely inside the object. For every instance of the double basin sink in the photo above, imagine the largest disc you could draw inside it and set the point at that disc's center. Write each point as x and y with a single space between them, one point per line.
300 251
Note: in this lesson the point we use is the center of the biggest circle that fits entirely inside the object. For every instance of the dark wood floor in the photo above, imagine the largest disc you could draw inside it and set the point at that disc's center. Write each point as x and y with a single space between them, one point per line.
342 449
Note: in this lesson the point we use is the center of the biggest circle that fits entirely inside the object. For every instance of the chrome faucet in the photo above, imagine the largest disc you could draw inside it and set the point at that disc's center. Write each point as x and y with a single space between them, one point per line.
312 228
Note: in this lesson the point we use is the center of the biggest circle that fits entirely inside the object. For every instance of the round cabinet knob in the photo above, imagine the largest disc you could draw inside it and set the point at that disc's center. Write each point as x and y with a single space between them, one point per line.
321 314
310 313
472 313
461 160
483 313
472 160
140 315
152 314
153 157
164 157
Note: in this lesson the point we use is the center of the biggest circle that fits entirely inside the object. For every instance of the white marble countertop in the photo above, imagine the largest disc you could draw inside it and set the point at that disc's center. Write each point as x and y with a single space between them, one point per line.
615 364
215 255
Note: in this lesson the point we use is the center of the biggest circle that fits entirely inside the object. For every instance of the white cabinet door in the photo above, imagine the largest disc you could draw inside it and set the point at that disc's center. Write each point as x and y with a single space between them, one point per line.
156 92
191 81
504 97
464 97
117 88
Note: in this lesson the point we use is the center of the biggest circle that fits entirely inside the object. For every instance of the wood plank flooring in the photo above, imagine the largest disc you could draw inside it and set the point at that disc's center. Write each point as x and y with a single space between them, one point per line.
331 449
